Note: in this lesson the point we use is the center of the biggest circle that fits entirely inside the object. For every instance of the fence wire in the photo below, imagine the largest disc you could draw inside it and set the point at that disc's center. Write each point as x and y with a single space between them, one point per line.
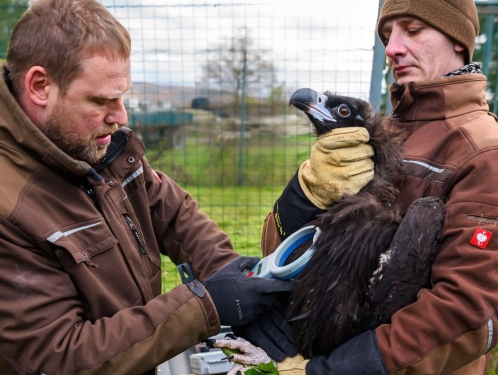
211 84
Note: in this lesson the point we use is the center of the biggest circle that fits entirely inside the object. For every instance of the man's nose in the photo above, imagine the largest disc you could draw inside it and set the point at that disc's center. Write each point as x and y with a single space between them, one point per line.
117 113
395 46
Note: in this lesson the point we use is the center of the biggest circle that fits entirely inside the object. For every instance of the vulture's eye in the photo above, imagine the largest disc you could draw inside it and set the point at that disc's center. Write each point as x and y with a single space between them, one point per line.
343 110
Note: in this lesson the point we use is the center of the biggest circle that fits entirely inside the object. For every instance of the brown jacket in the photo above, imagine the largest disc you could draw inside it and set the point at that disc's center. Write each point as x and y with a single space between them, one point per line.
80 294
450 151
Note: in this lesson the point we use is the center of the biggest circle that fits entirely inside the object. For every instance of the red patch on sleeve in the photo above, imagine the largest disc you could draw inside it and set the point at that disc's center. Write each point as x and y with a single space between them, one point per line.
481 238
157 176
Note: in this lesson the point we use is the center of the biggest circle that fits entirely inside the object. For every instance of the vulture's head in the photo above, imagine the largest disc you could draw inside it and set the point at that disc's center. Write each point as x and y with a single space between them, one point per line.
328 111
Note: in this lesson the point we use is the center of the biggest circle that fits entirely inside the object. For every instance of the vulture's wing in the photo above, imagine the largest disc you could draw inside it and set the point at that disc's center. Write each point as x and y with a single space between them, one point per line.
406 267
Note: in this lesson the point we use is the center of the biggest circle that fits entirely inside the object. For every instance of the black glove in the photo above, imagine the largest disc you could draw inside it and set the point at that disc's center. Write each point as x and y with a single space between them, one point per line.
240 299
271 332
293 209
358 356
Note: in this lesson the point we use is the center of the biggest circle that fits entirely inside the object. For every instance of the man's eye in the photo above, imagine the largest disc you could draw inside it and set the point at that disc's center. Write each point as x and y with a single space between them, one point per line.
100 100
412 31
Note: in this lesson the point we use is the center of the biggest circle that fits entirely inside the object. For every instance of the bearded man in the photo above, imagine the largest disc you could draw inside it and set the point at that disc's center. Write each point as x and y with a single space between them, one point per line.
84 217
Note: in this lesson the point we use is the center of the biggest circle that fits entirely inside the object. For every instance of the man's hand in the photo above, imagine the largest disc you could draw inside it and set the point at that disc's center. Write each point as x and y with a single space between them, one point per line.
340 164
293 366
358 356
271 332
240 299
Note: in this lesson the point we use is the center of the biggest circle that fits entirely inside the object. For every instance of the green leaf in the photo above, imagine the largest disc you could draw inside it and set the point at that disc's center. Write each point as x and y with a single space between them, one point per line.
252 371
229 352
261 369
267 368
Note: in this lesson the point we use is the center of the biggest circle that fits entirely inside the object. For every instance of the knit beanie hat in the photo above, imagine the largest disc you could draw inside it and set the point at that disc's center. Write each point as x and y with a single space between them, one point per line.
457 19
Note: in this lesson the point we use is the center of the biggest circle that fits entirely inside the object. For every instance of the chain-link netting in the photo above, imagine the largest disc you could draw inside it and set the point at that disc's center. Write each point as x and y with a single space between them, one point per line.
211 84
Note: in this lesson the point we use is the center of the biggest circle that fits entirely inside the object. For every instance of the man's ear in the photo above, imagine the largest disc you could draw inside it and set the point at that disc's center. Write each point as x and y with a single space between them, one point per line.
38 86
458 48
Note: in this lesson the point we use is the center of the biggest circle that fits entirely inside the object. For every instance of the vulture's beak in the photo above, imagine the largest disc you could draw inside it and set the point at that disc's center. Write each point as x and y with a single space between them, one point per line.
312 103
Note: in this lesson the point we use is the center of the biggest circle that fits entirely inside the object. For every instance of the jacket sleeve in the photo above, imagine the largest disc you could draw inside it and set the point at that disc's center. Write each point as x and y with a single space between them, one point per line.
291 211
270 239
44 329
183 232
454 323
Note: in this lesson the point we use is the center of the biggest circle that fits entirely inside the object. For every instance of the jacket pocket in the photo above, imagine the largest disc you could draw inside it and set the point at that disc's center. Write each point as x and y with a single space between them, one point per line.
93 260
140 241
83 242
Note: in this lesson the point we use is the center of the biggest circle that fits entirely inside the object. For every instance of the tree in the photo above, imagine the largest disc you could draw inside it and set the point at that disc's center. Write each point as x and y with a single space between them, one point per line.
224 69
10 12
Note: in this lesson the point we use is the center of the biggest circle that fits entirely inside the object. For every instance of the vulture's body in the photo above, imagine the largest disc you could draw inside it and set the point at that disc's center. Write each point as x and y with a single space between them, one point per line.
345 290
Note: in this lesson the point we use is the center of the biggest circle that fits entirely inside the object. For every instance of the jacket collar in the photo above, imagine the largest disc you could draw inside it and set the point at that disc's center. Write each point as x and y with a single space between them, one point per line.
439 99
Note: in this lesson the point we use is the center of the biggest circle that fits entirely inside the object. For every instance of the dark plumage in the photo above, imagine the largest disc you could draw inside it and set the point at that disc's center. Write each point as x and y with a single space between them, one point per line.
338 295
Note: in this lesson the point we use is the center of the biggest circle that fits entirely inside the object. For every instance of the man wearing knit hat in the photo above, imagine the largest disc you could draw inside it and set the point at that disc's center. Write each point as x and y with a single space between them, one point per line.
450 151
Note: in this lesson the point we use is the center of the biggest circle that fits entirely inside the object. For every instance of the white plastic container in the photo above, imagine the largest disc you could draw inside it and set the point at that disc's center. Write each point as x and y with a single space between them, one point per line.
210 363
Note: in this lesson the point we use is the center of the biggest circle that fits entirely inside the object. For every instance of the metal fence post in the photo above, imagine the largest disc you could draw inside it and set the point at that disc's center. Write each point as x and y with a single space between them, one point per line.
390 81
377 69
495 96
242 117
489 43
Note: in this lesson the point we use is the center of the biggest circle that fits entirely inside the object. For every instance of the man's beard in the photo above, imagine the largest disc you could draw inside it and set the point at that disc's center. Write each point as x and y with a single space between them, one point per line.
58 128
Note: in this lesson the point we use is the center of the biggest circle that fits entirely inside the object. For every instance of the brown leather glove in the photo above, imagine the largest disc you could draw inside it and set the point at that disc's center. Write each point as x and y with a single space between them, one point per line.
340 164
293 366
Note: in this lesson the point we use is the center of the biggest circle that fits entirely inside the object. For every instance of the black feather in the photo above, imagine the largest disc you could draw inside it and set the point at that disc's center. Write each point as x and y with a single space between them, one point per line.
338 296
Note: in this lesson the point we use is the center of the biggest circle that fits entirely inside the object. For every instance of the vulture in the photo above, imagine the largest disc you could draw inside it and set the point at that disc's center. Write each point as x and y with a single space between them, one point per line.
355 279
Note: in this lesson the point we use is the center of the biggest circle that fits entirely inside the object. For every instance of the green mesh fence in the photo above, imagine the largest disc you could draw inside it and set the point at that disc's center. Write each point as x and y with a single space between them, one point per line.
486 50
211 83
215 77
10 11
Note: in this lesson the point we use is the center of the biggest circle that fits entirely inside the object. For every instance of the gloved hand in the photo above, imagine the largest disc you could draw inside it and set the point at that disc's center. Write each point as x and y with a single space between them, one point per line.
340 164
293 366
240 299
271 332
358 356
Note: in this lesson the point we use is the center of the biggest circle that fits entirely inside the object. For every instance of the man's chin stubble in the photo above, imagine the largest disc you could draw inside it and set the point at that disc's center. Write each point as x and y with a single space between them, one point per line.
89 154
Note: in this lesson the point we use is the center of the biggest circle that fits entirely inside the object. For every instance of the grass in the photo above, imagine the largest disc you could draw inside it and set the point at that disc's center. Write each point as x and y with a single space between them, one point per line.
237 190
239 211
262 160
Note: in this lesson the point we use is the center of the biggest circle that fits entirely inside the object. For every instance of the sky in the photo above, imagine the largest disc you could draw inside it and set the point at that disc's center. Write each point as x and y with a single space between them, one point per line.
325 45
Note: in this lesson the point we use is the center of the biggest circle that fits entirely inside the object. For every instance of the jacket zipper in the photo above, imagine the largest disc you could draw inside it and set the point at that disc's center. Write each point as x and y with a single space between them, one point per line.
135 233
